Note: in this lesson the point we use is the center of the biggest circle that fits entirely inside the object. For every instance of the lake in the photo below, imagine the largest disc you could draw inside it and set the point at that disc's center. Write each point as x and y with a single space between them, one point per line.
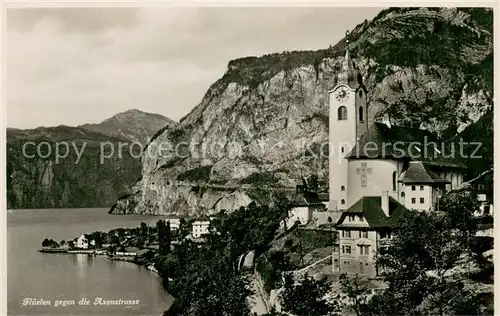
67 277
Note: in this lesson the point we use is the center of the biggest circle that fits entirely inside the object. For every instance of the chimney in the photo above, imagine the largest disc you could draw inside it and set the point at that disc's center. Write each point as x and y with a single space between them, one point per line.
387 120
384 202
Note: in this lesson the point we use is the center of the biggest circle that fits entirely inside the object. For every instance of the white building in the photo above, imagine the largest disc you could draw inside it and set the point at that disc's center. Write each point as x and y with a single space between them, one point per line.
309 207
82 242
200 228
174 223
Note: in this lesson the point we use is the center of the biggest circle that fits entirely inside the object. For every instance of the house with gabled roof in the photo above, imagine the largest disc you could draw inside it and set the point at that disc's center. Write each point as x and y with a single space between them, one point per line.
364 228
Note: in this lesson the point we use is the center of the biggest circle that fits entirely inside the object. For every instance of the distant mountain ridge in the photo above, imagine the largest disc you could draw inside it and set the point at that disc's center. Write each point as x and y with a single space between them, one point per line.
47 182
132 124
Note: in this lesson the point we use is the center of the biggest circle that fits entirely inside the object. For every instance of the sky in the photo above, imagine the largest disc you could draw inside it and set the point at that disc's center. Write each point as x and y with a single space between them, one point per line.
71 66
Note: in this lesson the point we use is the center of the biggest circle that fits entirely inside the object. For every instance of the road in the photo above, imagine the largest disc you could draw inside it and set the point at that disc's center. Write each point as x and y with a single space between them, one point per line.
257 303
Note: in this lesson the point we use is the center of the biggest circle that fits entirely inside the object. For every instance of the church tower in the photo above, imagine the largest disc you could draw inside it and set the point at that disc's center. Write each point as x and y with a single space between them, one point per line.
348 121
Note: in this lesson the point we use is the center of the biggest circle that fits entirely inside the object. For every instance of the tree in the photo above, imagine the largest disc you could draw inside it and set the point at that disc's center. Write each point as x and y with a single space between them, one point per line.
167 238
144 229
418 264
313 183
307 297
204 286
184 229
356 291
45 242
160 225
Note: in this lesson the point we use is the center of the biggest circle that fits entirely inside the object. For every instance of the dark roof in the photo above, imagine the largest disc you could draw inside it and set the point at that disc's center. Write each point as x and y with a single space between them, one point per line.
483 177
306 199
399 142
417 172
324 196
371 209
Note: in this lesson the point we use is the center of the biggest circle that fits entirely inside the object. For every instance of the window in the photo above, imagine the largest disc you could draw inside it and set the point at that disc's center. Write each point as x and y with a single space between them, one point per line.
364 250
342 201
360 93
480 187
351 218
361 218
342 113
346 249
342 188
330 219
385 235
361 118
363 234
402 194
421 188
486 210
346 233
394 181
342 149
413 200
421 200
413 188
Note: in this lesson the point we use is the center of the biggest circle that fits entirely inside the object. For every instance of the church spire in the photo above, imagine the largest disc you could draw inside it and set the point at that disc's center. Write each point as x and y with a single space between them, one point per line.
348 74
347 60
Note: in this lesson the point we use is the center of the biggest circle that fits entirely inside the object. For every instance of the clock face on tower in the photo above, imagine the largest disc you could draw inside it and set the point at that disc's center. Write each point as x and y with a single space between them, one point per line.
341 95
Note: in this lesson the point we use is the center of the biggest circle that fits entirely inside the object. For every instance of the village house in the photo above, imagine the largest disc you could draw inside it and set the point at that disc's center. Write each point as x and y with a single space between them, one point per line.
82 242
174 223
200 227
308 208
378 171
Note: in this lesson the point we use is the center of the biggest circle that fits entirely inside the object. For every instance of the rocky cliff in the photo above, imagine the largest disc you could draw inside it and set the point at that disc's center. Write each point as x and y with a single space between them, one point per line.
78 175
264 124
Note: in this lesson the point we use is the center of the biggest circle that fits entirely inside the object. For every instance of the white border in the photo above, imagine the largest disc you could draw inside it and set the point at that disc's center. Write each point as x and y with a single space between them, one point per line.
259 3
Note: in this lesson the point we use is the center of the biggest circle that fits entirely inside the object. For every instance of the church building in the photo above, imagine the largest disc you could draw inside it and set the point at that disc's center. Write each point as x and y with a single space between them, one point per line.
377 171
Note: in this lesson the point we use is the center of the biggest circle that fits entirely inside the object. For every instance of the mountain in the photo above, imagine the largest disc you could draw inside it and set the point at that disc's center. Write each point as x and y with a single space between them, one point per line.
427 67
79 176
132 124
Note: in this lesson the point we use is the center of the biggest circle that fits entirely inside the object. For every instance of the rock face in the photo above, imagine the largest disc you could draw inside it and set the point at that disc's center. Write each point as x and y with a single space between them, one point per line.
41 180
264 124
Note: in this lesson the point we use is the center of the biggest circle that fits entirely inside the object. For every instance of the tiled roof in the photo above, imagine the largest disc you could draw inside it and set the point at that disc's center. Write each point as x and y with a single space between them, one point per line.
417 172
482 177
371 209
306 199
382 141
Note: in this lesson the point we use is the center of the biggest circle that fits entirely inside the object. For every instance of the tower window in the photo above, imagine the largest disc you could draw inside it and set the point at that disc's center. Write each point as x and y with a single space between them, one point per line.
360 79
360 93
342 188
342 113
402 194
342 149
361 118
394 181
342 201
